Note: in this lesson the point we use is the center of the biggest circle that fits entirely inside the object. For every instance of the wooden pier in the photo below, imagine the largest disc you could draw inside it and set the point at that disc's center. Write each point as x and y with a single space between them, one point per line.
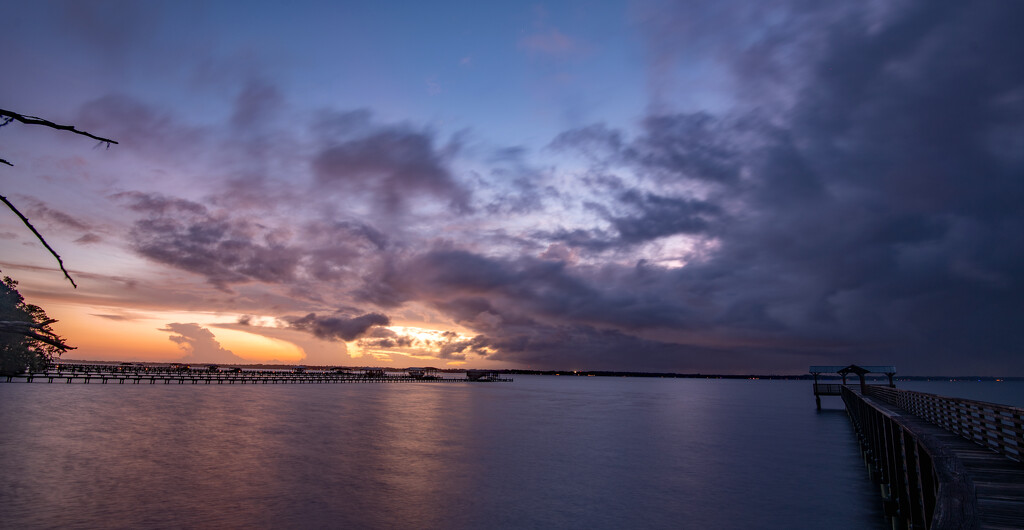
105 374
940 462
833 389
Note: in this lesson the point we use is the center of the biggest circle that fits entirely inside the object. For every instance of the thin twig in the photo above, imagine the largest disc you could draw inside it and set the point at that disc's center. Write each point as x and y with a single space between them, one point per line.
40 237
34 120
34 330
6 117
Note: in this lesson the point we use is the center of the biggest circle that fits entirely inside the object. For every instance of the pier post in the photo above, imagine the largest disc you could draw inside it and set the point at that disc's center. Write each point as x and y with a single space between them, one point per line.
817 398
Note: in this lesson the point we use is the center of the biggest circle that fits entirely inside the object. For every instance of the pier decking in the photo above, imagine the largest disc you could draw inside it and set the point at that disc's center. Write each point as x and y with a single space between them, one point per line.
833 389
941 462
104 374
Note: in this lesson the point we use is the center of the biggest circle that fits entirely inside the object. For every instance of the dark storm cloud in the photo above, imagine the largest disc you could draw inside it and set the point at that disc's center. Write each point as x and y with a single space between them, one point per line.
455 349
480 291
854 196
872 214
337 327
336 249
685 146
186 235
396 166
385 338
446 345
662 216
646 217
691 146
591 239
517 186
577 346
877 212
597 141
157 204
230 247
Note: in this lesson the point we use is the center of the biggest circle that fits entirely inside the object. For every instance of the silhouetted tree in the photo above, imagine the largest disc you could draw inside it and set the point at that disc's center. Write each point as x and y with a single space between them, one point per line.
6 117
27 341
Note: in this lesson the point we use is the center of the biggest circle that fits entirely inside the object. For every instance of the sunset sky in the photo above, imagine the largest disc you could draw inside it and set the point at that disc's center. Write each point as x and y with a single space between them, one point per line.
715 187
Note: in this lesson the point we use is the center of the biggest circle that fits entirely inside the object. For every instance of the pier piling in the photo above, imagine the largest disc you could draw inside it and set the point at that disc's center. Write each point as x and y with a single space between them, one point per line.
939 462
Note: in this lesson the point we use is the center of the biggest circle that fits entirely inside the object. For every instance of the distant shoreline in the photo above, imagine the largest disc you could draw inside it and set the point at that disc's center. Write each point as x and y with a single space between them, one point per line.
602 373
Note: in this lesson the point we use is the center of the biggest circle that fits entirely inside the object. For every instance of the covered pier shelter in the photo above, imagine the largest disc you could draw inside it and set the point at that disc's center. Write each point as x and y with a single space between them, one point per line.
832 389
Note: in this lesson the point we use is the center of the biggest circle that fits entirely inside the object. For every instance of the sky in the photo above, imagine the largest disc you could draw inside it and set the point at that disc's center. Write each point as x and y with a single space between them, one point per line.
692 187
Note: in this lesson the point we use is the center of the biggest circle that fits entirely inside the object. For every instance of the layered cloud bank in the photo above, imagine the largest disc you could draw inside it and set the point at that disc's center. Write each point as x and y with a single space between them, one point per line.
850 190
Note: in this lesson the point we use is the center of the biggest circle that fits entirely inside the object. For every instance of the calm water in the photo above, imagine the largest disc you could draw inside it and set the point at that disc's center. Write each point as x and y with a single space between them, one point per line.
543 452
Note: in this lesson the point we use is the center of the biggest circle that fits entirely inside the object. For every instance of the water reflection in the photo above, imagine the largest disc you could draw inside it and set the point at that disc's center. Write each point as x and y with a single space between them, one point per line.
541 452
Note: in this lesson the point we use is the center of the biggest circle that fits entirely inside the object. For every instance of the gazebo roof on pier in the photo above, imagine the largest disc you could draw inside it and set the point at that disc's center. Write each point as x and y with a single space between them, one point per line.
852 368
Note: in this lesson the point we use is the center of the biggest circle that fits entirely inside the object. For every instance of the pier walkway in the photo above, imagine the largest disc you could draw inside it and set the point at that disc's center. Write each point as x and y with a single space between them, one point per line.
941 462
104 374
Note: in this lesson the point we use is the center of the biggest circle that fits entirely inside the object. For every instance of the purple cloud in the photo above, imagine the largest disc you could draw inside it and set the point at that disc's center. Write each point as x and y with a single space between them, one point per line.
186 235
199 344
394 167
337 327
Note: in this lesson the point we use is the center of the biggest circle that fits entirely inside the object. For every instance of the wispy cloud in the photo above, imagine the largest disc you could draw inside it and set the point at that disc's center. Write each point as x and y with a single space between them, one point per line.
337 326
853 192
199 344
551 43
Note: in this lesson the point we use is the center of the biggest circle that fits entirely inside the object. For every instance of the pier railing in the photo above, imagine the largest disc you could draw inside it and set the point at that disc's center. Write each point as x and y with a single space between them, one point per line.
996 427
924 485
827 389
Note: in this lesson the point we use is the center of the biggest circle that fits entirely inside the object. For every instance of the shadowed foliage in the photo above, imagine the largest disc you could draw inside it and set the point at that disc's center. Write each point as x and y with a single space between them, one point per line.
27 342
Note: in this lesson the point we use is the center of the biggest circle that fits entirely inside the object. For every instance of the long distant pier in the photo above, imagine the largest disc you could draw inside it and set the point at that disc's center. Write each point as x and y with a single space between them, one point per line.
107 374
941 462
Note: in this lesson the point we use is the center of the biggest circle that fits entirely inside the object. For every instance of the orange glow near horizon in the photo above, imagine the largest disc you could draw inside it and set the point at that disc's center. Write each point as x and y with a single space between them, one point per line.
258 348
102 333
104 339
143 337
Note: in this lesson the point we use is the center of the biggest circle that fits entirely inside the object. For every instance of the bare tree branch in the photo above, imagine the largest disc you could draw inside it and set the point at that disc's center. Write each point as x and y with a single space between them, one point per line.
40 237
33 330
7 117
34 120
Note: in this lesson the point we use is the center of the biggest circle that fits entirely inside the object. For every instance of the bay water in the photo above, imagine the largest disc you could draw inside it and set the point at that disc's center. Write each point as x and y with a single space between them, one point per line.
541 452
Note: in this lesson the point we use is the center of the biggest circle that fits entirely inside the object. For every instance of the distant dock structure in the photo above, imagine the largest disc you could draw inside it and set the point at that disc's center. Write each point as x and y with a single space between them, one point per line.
940 462
832 389
179 373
